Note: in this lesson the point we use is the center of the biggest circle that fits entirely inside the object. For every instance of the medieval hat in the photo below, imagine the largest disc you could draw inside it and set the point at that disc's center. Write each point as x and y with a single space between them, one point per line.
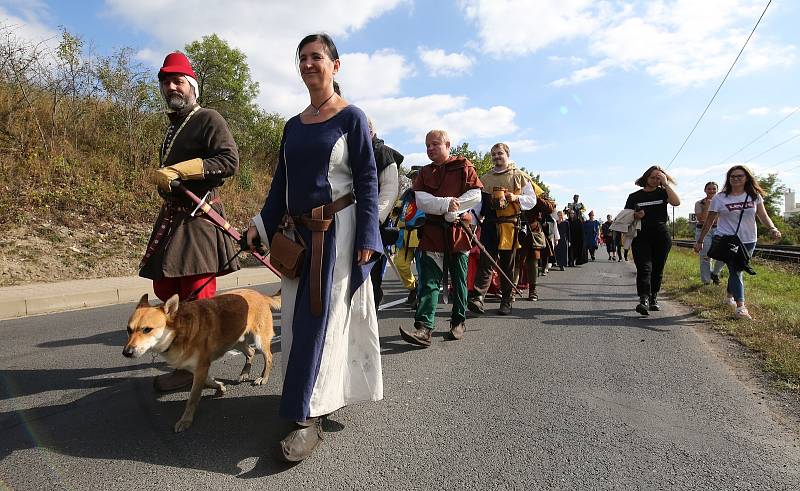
176 63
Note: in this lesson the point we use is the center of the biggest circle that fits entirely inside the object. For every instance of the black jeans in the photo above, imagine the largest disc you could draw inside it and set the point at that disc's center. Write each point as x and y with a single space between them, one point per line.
650 250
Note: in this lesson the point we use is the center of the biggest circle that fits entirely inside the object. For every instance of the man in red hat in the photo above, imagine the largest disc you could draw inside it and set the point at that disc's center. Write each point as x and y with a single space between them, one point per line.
186 253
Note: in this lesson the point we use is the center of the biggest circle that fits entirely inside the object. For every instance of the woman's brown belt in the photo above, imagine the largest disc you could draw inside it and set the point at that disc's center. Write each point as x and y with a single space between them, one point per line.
317 222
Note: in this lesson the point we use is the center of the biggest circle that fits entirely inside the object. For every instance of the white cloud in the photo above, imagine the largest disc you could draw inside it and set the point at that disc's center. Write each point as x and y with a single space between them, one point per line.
523 146
417 115
789 109
584 74
515 27
377 75
569 60
29 24
268 33
418 158
758 111
441 64
680 43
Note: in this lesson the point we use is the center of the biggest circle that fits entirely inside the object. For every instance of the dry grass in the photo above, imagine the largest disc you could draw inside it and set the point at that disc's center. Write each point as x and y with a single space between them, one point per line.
772 296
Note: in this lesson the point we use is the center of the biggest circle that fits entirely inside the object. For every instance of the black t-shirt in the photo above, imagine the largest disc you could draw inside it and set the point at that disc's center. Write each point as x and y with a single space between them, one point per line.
654 204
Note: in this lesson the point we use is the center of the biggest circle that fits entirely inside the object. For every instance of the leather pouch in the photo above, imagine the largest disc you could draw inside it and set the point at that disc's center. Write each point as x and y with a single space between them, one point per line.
287 256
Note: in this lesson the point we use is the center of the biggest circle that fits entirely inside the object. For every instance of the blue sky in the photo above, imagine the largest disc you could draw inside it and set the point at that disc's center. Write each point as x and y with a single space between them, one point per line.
587 93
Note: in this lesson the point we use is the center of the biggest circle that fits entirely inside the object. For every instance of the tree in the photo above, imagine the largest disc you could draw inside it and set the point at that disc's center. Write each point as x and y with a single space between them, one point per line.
773 190
223 78
481 161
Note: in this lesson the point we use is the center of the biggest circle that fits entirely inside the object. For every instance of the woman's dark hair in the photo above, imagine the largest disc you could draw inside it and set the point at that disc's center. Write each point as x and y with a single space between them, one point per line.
751 186
711 183
323 38
642 181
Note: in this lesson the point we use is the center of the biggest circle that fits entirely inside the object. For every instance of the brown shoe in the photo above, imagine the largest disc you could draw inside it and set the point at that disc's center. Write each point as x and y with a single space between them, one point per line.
301 442
457 330
420 337
475 305
173 381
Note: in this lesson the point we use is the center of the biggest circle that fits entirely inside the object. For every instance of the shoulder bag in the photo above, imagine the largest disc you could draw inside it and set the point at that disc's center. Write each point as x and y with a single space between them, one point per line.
730 249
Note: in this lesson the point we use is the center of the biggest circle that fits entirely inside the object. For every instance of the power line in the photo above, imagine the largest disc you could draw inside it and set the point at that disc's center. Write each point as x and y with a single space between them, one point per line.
772 148
720 85
760 136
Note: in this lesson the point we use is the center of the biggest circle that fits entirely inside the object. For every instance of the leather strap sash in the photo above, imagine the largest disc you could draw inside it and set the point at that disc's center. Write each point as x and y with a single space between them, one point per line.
318 221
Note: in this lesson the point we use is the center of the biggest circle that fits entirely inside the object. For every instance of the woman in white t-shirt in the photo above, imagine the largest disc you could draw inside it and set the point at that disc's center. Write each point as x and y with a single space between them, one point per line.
741 195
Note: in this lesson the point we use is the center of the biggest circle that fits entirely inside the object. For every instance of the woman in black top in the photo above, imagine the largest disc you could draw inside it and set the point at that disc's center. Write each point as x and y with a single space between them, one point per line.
652 243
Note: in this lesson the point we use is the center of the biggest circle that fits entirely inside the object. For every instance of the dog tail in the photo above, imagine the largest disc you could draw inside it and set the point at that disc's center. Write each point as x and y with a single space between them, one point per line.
275 301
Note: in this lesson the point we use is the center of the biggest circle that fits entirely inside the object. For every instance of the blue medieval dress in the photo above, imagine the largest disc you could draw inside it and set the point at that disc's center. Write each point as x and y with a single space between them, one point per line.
331 360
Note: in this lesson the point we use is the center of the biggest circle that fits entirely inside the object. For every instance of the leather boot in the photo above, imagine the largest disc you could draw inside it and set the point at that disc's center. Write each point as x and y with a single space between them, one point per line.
175 380
505 307
301 442
654 303
475 304
420 337
457 330
642 306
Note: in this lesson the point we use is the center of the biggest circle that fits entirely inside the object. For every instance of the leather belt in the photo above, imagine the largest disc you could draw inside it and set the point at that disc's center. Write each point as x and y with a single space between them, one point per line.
318 221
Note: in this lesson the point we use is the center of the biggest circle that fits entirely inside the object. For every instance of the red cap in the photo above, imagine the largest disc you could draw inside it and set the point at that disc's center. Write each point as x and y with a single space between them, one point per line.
176 62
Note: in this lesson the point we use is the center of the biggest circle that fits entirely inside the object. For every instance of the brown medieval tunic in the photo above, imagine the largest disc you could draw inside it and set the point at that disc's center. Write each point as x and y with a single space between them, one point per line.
194 245
453 178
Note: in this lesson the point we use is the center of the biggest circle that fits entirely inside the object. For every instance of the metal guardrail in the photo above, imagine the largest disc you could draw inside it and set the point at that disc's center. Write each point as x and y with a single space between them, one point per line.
781 253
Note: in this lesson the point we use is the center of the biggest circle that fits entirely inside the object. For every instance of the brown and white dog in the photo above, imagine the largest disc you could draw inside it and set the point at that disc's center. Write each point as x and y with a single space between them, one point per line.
191 335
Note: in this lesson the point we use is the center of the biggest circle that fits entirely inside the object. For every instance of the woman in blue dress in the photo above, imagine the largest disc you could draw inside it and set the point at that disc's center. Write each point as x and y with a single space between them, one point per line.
329 328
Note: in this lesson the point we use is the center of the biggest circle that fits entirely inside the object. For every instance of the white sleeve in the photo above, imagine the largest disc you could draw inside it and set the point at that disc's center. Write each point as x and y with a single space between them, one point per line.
389 185
527 199
556 235
466 202
430 204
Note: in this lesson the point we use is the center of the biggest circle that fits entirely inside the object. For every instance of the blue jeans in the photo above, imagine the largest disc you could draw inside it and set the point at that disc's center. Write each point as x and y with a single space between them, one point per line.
705 261
735 282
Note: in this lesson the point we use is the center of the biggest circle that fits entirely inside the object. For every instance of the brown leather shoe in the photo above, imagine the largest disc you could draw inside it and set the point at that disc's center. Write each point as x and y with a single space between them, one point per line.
475 305
173 381
420 337
457 330
301 442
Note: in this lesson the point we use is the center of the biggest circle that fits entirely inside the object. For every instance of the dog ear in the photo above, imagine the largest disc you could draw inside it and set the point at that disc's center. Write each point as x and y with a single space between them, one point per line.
171 305
144 302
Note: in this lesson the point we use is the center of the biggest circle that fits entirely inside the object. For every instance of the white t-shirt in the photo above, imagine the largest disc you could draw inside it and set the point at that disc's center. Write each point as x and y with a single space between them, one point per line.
729 208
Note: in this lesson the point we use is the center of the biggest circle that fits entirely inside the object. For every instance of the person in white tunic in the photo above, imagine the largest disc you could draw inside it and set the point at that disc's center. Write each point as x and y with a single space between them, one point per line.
329 326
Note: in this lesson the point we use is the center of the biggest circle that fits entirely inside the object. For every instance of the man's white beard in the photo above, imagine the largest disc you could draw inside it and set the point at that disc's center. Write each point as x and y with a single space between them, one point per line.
176 102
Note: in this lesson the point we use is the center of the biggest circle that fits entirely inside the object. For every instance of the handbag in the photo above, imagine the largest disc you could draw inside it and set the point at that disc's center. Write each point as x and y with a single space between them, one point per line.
538 239
730 249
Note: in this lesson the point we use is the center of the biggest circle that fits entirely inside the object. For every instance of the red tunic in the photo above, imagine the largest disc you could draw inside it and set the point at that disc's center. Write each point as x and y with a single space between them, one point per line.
452 178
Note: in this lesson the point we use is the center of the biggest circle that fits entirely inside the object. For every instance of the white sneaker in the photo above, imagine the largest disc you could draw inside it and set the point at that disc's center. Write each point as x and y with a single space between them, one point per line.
742 313
730 301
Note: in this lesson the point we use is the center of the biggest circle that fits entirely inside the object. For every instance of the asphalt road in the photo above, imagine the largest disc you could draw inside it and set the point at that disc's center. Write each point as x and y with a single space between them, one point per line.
572 392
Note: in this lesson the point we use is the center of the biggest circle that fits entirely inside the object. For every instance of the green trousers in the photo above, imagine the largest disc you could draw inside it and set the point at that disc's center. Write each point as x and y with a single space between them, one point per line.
430 278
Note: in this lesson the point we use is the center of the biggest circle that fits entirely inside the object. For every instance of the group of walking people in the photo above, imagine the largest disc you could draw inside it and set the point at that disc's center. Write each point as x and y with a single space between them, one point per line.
334 184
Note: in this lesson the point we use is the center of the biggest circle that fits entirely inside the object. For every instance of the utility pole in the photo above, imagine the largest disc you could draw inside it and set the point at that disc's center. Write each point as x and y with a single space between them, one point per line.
673 223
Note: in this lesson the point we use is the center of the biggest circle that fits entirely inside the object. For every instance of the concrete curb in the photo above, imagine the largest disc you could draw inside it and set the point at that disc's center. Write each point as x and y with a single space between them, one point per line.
48 298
